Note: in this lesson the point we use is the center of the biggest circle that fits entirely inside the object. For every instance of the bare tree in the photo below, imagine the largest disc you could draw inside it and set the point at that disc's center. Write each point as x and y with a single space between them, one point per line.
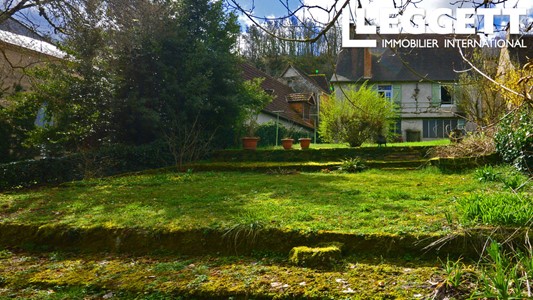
187 142
38 13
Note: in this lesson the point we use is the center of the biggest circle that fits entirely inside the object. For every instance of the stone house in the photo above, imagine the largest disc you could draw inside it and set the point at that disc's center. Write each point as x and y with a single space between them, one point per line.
420 81
20 50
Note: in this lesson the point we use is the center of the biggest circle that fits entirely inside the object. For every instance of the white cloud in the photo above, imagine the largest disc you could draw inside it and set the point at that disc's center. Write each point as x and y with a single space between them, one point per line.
244 20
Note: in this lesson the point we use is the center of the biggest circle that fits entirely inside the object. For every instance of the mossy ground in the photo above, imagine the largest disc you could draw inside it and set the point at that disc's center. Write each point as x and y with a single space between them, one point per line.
74 276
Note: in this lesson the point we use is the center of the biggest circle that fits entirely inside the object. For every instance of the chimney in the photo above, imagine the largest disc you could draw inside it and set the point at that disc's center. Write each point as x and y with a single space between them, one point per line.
367 71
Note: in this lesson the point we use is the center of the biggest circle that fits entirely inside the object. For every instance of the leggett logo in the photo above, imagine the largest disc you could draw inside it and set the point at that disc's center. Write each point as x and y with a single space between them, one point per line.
459 21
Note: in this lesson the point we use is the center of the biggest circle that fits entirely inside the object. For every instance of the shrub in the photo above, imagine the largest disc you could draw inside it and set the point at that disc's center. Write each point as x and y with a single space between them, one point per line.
107 161
361 116
267 133
514 140
487 174
352 165
16 119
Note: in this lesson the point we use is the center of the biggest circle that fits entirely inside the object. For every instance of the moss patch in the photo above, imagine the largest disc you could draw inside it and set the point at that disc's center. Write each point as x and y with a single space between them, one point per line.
262 277
317 257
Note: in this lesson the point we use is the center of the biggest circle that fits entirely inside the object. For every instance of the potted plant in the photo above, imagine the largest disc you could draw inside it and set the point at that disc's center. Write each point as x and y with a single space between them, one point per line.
253 100
288 141
305 142
249 142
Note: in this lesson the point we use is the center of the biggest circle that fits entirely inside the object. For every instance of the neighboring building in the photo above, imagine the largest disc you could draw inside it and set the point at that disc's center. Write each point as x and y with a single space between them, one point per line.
516 57
420 81
301 82
20 49
294 109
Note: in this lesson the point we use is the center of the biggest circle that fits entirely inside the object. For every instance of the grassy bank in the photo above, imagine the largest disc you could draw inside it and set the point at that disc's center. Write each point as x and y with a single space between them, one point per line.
369 202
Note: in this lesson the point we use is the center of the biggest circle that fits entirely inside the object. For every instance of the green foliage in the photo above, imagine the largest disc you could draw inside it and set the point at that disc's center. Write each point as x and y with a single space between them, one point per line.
77 109
253 100
267 133
37 172
361 116
498 208
318 155
199 86
16 120
514 140
352 165
76 94
505 274
454 271
129 86
110 160
487 174
243 234
510 177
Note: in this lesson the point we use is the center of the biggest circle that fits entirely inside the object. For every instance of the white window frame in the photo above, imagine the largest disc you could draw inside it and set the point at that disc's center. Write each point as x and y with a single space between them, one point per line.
386 90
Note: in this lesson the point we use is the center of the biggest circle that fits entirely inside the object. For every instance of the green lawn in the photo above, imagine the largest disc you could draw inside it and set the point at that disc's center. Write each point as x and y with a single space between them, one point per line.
369 202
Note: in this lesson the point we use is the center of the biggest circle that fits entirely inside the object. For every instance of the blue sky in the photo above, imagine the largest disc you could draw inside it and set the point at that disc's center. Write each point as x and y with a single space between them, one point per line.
275 8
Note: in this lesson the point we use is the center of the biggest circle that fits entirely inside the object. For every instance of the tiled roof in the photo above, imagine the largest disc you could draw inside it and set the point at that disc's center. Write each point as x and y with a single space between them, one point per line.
300 97
281 91
410 64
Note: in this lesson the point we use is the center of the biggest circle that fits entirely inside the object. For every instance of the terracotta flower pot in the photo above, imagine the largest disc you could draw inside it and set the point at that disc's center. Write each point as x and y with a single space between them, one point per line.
305 142
249 143
287 143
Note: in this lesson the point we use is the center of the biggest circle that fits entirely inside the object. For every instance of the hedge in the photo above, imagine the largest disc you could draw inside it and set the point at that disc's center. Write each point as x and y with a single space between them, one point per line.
267 134
322 155
105 162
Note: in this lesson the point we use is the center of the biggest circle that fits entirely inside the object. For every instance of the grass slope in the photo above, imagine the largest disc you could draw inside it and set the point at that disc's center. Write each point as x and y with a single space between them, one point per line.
368 202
